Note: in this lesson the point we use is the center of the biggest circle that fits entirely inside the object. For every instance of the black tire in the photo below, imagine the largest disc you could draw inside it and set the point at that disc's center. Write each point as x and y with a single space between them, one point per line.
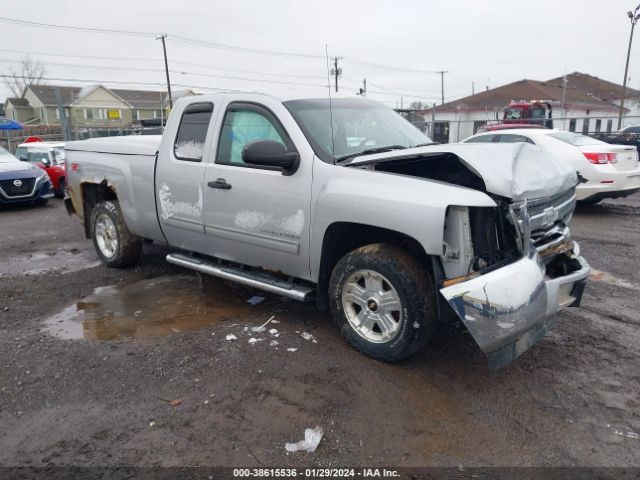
60 191
128 247
414 288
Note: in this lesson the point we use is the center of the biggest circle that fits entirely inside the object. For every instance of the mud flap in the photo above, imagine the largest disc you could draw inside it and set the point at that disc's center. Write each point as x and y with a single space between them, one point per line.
68 205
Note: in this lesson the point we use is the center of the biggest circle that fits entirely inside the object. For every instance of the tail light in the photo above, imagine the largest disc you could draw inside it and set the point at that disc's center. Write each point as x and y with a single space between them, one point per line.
602 158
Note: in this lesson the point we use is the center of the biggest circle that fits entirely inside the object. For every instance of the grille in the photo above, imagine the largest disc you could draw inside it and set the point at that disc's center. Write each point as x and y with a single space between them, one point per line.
12 190
536 207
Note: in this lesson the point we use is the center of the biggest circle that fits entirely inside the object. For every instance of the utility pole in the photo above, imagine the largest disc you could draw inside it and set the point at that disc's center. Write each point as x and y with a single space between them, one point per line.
166 68
364 87
473 88
564 95
64 121
442 72
634 16
336 71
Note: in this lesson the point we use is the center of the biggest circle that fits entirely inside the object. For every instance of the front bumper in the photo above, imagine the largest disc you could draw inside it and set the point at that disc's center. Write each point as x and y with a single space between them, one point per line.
40 191
511 308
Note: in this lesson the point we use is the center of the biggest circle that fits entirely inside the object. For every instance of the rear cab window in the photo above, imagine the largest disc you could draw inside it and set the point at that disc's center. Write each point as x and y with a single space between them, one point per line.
245 123
192 132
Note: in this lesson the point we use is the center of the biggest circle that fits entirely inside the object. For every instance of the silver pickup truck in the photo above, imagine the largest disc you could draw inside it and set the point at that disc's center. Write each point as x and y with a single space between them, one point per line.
343 202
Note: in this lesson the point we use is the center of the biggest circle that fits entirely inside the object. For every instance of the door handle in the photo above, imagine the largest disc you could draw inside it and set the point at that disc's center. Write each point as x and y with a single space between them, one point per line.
220 183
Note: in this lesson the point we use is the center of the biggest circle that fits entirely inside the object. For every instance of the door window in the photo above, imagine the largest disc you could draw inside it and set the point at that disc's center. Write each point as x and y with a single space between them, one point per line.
192 132
243 125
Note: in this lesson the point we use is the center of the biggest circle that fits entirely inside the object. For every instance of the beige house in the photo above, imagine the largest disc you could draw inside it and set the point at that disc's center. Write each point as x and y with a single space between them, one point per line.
94 106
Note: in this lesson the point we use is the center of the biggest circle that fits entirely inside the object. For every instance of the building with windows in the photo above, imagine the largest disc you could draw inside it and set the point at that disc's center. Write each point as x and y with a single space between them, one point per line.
584 103
94 106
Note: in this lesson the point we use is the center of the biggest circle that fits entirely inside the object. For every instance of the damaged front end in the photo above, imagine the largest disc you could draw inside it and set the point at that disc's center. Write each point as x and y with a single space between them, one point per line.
523 266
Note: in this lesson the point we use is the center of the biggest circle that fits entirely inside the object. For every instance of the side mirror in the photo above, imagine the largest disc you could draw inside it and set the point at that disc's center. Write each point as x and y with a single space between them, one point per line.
24 158
46 162
269 153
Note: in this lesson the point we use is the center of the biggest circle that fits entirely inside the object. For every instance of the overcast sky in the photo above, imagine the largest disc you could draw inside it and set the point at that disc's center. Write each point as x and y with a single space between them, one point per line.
486 42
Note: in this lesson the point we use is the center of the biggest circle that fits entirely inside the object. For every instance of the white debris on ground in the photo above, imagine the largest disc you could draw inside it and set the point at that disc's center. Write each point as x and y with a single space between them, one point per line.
263 327
273 343
308 336
273 331
291 349
231 337
253 340
312 437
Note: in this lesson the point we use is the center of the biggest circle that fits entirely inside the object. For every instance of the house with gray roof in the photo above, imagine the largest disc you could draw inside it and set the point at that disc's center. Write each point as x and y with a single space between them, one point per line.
90 106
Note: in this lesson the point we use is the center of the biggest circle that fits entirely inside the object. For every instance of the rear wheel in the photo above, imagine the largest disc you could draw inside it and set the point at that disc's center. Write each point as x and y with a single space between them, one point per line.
116 246
383 301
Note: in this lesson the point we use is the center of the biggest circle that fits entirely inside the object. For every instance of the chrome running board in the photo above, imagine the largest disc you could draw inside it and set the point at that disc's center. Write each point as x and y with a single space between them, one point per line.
260 280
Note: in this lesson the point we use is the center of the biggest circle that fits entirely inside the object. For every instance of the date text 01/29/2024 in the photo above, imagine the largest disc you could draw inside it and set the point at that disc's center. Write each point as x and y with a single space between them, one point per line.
315 473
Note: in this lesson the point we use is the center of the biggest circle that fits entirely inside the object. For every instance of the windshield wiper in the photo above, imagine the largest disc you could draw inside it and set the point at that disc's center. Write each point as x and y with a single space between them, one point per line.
369 151
424 144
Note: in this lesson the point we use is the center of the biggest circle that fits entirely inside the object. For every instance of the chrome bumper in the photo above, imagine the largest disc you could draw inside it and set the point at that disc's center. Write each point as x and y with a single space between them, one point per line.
509 309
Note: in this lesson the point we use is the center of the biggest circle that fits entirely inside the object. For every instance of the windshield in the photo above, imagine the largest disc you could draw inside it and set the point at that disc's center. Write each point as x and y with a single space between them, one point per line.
6 157
358 125
575 138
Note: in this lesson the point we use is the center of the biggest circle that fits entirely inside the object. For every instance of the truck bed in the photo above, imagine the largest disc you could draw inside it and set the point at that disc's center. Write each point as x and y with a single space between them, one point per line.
124 164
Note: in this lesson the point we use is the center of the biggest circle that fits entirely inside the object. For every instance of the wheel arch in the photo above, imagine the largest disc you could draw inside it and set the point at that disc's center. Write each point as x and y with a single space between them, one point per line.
92 194
341 238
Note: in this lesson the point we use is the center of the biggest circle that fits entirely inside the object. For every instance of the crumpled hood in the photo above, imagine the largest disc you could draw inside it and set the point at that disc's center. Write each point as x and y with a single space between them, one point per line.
514 170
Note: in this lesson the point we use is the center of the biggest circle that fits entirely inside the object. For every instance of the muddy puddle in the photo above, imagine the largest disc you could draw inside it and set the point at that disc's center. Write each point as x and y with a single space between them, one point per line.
61 261
147 308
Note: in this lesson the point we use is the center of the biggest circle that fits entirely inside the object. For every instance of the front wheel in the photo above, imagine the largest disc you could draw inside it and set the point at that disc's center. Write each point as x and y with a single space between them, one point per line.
383 302
115 244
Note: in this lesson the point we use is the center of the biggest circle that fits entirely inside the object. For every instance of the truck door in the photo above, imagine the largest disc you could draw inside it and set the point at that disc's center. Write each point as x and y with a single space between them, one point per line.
179 178
254 215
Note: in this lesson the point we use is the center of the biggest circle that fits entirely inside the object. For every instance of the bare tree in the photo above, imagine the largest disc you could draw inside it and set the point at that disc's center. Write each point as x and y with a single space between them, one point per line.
29 72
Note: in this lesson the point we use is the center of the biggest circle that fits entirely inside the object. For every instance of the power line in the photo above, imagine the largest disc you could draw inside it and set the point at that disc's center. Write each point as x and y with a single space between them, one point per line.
177 72
387 67
134 59
204 43
77 29
234 48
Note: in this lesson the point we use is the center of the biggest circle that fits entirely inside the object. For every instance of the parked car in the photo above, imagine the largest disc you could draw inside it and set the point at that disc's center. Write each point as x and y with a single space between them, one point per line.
391 232
631 129
604 170
48 156
22 182
627 136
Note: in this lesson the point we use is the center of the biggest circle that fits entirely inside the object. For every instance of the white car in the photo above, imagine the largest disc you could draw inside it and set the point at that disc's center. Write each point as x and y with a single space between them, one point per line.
604 170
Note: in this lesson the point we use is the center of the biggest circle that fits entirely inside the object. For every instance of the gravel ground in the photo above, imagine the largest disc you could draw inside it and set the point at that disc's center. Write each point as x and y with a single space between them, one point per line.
80 385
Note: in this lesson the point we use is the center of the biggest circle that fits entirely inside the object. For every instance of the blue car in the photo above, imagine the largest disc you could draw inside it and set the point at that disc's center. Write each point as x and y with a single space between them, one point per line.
22 182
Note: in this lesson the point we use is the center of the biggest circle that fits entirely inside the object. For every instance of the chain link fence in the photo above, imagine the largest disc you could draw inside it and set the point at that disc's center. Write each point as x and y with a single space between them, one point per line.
451 128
